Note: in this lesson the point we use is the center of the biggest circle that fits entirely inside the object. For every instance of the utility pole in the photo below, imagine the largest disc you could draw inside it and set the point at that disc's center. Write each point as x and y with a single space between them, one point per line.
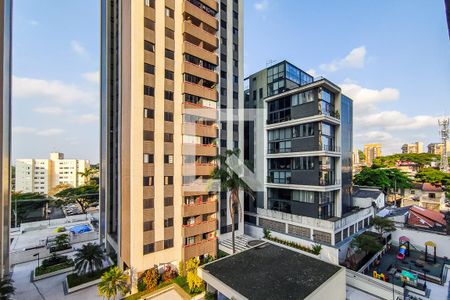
444 133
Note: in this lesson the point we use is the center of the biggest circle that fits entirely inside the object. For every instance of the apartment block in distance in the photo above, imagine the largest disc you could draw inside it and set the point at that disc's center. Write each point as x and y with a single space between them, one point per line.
417 147
437 148
42 175
5 130
302 144
160 81
371 151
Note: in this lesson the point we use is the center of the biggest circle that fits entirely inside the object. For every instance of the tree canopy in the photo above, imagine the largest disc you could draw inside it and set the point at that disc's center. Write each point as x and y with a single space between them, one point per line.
84 195
422 159
383 178
383 225
366 243
434 176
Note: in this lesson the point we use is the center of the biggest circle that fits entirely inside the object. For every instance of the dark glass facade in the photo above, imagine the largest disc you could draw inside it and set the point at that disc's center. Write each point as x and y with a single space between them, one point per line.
346 152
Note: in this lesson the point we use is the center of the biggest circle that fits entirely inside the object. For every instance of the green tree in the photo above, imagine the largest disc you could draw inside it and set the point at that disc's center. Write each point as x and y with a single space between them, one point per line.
89 258
384 178
421 159
88 174
361 155
151 278
113 282
195 283
84 196
7 289
25 205
433 176
231 181
62 241
366 243
383 225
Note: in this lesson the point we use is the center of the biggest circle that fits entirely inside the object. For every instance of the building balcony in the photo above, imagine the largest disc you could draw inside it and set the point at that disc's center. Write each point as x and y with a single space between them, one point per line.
201 53
200 208
208 246
200 130
199 33
199 90
200 14
198 169
199 149
199 71
199 110
199 228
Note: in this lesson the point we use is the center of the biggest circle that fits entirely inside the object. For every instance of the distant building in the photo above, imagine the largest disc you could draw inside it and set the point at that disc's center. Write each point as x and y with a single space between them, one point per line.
437 148
371 151
427 195
416 147
41 175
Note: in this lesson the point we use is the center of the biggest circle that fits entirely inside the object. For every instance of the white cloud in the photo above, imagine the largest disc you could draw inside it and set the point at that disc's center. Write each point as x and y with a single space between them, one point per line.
21 129
33 23
24 87
366 96
312 72
261 5
92 76
50 132
87 118
49 110
395 120
354 60
78 48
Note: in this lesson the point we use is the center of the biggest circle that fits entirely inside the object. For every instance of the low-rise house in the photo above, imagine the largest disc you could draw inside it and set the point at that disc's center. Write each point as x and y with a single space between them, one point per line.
364 197
425 195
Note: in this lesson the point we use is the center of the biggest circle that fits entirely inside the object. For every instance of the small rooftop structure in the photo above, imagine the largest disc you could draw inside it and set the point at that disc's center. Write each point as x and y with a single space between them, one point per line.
428 187
269 271
365 196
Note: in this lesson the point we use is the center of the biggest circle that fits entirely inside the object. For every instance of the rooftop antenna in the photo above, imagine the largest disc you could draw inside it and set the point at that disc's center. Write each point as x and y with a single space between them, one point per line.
444 133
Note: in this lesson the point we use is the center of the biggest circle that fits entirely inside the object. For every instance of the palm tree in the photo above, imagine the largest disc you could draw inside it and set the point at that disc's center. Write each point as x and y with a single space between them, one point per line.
89 258
112 282
6 288
87 173
231 181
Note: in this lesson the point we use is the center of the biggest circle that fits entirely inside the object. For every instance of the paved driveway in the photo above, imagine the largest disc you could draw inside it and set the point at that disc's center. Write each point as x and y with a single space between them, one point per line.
46 289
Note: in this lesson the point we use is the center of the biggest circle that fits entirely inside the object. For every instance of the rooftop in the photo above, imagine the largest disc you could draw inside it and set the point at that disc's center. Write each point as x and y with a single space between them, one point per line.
366 193
271 272
422 217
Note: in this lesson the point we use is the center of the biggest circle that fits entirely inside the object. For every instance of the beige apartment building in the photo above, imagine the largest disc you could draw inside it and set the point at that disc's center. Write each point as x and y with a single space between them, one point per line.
167 68
5 132
42 175
416 147
438 148
371 151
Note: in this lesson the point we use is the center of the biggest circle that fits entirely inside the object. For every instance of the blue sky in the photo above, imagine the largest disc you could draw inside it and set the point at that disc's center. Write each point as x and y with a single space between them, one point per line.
391 57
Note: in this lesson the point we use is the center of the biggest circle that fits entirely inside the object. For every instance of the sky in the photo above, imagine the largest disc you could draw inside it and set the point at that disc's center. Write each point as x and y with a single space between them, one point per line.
391 57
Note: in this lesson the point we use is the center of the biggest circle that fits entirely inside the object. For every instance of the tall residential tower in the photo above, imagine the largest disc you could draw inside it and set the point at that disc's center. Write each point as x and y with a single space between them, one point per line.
5 129
161 92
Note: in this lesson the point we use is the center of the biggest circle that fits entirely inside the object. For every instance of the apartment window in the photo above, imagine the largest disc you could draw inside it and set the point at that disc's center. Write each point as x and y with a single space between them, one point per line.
235 30
235 14
190 240
223 143
170 33
223 74
236 63
150 3
148 158
223 24
149 90
260 93
148 180
148 203
223 41
301 98
168 137
168 159
168 75
223 6
235 79
149 248
168 201
168 243
148 225
168 180
168 95
254 95
223 57
149 24
149 113
169 12
148 68
168 222
168 116
149 46
148 135
169 54
235 47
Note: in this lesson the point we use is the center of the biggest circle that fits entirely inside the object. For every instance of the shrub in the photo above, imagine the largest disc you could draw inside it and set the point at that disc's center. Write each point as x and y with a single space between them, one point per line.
74 279
316 249
195 283
169 273
181 268
151 278
267 234
296 246
53 268
54 260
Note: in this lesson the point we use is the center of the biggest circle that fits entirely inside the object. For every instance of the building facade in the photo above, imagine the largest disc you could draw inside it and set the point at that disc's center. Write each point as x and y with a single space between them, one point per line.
161 94
416 147
437 148
5 131
371 151
42 175
302 144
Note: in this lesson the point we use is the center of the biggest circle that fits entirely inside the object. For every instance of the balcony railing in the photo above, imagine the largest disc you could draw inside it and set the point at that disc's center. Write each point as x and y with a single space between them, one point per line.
286 180
328 181
328 109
